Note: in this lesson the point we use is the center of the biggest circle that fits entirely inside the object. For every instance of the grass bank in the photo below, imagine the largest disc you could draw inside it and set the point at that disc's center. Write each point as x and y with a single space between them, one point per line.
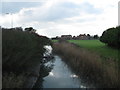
89 65
21 53
98 47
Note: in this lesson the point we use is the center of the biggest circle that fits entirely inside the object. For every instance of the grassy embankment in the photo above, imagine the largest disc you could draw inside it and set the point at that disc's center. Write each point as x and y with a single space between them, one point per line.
54 40
21 53
89 64
98 47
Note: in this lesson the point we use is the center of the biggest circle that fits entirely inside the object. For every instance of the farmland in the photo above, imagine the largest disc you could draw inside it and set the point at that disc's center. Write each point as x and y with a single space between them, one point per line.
98 47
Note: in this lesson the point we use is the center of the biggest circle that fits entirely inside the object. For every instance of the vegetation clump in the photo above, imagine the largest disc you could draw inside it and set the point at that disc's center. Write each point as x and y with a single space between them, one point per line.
111 37
22 51
98 47
89 65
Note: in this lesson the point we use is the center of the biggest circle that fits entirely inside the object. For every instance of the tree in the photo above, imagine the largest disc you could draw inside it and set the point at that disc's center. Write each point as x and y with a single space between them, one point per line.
88 35
111 37
30 29
95 37
19 28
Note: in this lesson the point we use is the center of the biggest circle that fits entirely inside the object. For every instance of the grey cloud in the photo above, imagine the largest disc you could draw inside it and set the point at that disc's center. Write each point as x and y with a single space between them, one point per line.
14 7
59 11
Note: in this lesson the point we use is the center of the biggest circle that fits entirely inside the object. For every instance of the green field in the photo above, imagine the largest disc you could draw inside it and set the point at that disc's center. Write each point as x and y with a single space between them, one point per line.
98 47
54 40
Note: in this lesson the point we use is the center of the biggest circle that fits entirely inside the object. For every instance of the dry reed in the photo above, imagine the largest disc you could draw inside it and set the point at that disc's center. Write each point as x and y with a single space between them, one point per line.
89 65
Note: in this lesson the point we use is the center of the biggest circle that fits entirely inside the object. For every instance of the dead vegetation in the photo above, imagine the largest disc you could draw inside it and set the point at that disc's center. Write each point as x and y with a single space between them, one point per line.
89 65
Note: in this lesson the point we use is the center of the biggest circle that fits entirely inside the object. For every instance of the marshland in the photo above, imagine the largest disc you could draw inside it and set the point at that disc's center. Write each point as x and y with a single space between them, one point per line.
60 44
34 61
89 65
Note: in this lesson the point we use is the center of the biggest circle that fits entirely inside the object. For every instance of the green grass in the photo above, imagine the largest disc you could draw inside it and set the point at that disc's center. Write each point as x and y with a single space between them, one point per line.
54 40
98 47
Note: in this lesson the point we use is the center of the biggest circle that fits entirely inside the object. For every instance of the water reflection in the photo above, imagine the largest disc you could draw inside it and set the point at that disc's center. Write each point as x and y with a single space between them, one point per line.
74 76
45 70
51 74
48 50
61 76
54 73
45 67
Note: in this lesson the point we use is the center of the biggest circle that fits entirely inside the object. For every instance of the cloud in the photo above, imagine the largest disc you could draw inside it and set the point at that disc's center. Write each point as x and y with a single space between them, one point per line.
57 17
25 0
13 7
52 11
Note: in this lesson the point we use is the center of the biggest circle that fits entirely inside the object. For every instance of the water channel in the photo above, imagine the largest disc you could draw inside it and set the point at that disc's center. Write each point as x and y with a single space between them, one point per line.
59 75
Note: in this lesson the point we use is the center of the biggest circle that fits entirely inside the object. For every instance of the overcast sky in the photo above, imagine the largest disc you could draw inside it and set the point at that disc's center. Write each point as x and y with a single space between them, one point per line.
60 17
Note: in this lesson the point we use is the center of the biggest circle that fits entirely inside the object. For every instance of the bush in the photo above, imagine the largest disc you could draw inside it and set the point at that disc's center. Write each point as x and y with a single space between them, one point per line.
21 49
111 37
21 52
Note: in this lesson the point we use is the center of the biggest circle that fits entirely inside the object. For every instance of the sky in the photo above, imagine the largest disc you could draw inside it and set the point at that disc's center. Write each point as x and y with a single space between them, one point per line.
60 17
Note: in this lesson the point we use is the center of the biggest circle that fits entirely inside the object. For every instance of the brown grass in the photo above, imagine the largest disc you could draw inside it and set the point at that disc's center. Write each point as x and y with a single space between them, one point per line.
13 81
89 65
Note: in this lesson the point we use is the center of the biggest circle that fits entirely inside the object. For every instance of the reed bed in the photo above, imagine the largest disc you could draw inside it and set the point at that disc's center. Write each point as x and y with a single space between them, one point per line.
89 65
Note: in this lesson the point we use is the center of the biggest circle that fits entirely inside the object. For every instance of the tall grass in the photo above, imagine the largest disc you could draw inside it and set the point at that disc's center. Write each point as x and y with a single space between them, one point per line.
89 65
21 49
21 53
12 80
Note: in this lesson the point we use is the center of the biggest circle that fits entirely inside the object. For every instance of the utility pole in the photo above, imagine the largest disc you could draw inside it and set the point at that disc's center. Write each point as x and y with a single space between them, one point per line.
11 19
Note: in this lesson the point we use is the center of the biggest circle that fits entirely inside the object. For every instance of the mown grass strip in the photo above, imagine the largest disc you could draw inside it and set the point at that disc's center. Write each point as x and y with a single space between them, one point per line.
98 47
54 40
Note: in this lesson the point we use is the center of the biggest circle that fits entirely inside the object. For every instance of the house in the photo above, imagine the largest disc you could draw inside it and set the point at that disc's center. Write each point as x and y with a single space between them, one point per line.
55 38
69 37
66 37
82 37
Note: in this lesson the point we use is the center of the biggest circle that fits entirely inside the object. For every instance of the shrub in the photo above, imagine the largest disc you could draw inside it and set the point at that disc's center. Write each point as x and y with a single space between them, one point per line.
21 52
111 37
20 49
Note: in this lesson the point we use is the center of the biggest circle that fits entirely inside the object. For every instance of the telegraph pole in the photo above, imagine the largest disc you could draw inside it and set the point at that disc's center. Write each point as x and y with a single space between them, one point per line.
11 19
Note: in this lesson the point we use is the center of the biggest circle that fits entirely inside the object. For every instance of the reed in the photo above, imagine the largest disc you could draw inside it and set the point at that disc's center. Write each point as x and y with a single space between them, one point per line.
89 65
